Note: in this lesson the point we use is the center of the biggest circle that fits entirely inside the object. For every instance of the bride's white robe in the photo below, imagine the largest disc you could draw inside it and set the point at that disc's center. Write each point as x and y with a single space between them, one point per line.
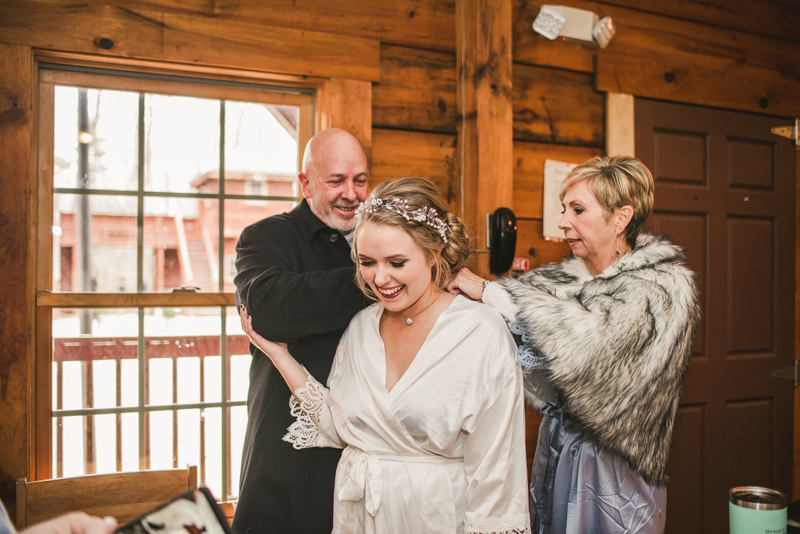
444 450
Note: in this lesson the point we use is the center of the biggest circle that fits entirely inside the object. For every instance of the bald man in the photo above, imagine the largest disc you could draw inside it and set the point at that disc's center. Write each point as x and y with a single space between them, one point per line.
296 280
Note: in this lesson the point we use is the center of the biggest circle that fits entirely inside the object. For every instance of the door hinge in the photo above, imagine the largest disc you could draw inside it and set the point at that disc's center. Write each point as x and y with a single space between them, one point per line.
789 132
790 373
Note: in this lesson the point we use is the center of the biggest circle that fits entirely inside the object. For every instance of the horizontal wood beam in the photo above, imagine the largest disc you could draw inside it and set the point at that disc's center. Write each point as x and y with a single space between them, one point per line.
529 161
772 19
659 54
417 90
532 245
398 153
427 24
655 56
131 32
533 49
133 300
557 106
701 79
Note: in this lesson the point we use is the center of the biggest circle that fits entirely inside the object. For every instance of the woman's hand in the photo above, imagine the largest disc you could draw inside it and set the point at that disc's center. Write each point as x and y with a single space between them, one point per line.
468 284
74 523
273 350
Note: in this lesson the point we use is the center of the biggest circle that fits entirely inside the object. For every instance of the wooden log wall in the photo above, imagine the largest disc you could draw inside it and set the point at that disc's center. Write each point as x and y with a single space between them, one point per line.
735 54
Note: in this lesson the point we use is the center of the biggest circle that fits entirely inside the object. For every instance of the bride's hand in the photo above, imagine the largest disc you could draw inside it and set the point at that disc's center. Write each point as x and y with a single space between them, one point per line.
269 348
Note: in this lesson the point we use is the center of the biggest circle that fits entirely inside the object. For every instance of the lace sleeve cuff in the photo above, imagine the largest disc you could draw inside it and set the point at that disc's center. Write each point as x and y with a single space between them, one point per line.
514 524
527 358
313 416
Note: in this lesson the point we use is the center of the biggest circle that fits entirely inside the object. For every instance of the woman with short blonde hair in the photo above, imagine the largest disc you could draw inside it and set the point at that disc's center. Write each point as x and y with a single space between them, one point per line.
616 181
607 335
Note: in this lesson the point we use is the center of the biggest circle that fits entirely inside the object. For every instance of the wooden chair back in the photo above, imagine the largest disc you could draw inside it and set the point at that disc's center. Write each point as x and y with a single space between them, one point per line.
123 496
228 509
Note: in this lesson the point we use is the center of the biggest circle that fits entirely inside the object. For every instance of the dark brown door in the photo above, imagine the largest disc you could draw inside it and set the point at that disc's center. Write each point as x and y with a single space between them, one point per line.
725 191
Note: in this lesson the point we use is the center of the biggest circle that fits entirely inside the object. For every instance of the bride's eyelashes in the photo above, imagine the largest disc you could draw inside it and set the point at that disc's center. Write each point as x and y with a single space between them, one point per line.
370 263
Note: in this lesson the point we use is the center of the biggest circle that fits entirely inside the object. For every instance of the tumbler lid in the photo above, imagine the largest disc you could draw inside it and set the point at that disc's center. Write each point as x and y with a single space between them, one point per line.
757 498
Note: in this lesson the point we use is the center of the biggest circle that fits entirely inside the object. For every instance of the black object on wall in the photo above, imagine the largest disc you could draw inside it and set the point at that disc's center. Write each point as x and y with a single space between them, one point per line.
503 241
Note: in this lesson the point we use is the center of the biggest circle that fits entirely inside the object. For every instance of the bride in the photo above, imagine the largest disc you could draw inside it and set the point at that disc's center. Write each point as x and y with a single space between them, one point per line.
424 394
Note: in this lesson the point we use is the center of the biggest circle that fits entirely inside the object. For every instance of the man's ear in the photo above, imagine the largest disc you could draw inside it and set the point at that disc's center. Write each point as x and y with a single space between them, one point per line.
305 184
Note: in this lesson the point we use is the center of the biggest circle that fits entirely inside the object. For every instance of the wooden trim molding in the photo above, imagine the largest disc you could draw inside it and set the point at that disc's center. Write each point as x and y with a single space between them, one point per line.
796 440
205 72
170 87
619 125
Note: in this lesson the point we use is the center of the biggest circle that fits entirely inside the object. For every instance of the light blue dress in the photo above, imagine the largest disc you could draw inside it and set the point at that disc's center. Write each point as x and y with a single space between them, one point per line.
5 523
579 488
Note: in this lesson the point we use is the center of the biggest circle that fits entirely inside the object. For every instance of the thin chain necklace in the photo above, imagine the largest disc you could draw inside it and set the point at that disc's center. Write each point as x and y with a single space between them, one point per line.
409 320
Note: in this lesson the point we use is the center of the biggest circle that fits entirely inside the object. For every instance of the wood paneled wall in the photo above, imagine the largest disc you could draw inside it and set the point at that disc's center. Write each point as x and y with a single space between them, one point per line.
735 54
16 277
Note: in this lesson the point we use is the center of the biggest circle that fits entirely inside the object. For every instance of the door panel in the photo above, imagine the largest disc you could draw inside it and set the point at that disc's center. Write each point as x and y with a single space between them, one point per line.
688 452
751 292
750 165
690 167
725 192
742 420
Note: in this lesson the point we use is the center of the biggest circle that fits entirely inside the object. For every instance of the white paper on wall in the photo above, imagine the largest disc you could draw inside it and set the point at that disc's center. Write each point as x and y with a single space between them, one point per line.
554 174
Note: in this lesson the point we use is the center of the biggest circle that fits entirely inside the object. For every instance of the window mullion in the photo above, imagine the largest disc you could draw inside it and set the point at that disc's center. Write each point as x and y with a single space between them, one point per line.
221 205
223 342
144 459
225 366
140 201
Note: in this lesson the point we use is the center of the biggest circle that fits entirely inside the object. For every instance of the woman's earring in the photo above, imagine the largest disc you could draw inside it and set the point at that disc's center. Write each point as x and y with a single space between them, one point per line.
616 239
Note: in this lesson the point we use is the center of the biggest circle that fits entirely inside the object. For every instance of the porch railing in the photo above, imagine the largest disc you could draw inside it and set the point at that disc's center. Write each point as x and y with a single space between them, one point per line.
93 349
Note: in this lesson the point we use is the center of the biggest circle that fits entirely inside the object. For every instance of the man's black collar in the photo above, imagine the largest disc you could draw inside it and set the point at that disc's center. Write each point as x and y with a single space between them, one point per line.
308 222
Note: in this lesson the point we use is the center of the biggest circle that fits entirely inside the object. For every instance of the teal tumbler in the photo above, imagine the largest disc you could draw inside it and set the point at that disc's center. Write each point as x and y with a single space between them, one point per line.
755 510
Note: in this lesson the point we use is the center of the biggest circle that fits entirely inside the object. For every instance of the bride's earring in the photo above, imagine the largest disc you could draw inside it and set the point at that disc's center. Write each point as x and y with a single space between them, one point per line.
616 242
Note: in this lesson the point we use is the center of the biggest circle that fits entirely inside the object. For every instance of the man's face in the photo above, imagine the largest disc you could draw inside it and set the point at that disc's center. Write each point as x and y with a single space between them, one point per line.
336 183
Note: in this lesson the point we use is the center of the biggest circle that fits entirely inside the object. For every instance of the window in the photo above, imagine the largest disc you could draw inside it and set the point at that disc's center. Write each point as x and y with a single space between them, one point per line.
230 267
145 186
256 188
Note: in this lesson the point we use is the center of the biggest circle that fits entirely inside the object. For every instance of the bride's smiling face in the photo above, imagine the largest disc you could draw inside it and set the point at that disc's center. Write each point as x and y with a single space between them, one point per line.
395 267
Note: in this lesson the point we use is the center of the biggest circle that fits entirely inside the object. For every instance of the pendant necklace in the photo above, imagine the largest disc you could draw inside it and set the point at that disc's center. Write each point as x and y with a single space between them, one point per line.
409 320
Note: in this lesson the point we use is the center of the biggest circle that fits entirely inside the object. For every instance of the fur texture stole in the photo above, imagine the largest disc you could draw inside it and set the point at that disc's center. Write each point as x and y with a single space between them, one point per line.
616 346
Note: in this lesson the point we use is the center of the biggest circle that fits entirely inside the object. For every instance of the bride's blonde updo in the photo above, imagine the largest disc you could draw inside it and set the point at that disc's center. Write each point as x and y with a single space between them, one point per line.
407 203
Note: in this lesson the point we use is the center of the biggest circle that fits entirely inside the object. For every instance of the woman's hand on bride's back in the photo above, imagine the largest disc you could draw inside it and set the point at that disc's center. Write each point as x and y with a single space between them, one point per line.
269 348
466 283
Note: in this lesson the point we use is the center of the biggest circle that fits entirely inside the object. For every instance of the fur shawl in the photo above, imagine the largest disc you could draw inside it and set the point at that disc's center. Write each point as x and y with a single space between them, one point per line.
616 346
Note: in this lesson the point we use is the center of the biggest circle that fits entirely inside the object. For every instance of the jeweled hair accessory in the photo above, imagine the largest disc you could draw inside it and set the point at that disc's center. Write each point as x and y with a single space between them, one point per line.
423 215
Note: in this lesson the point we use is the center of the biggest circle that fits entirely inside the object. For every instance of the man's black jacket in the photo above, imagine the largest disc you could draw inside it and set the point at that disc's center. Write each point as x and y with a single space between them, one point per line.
296 280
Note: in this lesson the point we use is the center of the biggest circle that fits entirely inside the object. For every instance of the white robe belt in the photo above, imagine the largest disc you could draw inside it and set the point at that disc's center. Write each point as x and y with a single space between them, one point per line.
363 478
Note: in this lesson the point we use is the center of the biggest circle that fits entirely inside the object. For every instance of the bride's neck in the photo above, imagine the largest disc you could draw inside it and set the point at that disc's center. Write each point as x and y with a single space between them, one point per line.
420 306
